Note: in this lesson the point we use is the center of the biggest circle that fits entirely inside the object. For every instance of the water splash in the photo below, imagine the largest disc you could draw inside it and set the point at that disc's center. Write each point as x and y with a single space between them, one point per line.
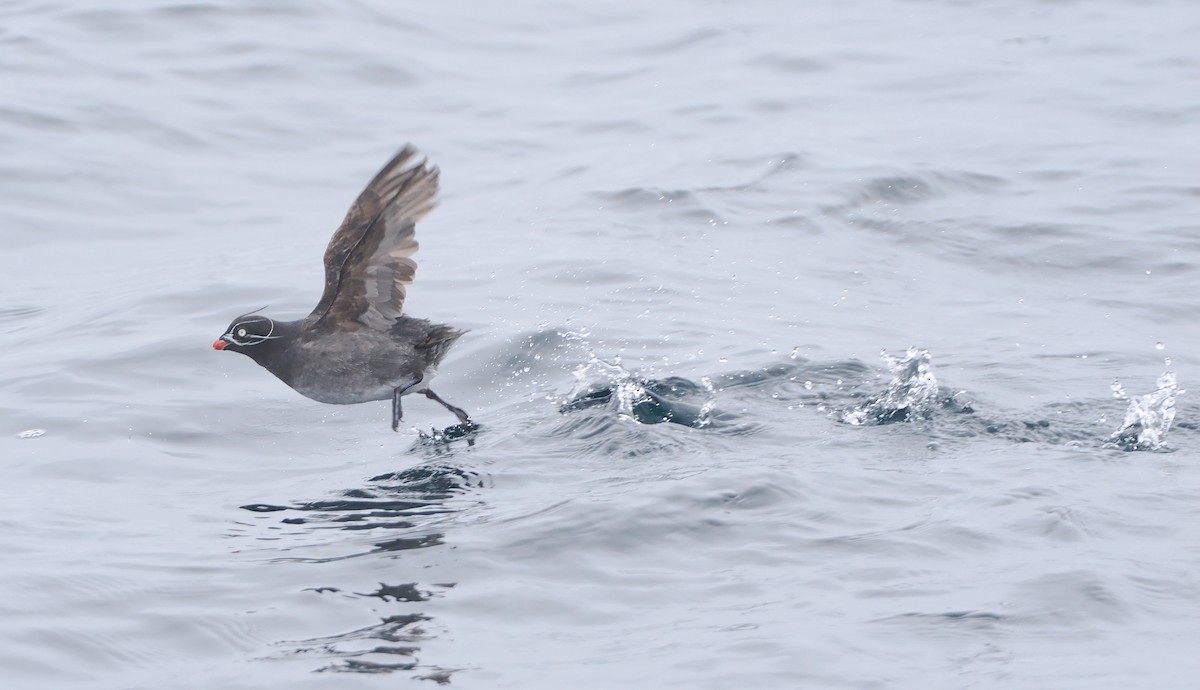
444 437
912 393
1148 417
648 401
705 415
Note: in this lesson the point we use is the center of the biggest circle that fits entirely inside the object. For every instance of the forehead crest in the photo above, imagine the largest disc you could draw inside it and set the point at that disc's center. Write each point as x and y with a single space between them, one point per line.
253 320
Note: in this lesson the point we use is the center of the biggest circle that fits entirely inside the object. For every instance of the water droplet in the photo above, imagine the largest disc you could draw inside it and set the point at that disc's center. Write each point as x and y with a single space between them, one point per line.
808 385
1160 346
31 433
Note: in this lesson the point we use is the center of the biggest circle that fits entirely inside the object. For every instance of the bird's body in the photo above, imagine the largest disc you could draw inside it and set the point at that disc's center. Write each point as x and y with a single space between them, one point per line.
356 346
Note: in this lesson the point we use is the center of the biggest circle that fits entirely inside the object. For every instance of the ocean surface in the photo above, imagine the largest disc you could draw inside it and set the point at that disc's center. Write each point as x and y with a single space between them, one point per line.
812 345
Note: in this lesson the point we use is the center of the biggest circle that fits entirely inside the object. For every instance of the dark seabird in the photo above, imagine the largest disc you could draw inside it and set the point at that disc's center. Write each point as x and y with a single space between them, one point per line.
357 345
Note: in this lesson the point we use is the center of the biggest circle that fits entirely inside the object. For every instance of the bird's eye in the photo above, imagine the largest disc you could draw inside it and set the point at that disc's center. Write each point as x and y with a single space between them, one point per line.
241 333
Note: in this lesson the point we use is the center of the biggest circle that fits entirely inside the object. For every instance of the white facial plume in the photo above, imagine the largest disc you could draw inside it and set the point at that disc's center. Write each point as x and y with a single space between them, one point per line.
251 330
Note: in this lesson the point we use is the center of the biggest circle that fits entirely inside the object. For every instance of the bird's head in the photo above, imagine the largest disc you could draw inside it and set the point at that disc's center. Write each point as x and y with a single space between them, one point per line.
247 331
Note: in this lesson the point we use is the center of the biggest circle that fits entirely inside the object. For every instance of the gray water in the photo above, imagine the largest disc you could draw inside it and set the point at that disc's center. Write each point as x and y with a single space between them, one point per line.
717 214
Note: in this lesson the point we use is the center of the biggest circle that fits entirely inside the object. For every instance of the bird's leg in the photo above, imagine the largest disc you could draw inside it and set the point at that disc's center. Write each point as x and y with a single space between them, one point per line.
397 414
458 411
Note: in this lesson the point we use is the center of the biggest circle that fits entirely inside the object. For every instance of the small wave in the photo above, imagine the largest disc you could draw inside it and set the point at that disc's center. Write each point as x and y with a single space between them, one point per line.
13 319
683 202
850 393
915 187
647 401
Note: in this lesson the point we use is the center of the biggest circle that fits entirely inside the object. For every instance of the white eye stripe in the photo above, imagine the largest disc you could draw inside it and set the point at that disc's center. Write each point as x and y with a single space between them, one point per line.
239 335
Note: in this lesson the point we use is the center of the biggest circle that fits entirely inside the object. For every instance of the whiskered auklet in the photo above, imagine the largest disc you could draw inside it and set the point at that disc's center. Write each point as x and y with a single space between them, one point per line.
357 345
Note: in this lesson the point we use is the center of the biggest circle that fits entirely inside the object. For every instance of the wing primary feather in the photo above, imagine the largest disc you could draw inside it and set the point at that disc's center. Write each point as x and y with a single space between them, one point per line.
368 262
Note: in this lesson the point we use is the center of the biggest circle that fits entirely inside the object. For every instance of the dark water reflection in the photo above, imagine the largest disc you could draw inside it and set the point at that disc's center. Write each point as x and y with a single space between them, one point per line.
401 504
391 645
390 501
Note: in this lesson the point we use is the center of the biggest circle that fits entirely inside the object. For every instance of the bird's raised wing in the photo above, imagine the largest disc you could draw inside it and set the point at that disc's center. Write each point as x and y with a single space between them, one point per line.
369 260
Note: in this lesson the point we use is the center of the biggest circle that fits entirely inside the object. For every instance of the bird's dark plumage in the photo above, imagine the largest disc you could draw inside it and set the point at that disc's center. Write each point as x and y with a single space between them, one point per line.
357 345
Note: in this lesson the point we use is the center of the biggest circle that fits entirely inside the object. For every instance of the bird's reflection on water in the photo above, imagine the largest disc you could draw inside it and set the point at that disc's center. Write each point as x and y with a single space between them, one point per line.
390 645
405 505
395 500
